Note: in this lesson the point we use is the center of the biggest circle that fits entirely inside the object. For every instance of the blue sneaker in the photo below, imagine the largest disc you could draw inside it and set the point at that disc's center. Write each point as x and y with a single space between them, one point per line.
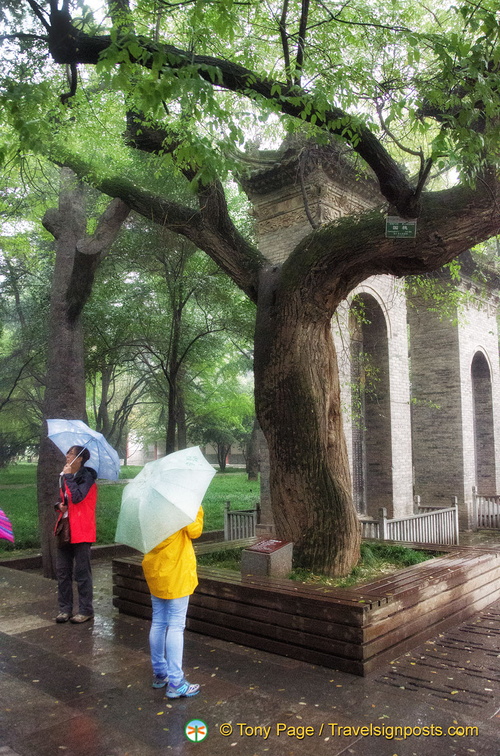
159 681
182 690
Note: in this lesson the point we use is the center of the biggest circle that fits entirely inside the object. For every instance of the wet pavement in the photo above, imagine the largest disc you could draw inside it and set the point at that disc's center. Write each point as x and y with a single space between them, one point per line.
85 689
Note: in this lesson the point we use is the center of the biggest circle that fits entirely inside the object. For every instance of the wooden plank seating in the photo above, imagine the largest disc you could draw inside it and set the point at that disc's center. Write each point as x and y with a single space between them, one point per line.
354 630
208 547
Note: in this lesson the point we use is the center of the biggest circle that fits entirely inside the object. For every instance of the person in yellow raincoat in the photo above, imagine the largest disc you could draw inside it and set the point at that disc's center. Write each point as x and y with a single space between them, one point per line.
170 571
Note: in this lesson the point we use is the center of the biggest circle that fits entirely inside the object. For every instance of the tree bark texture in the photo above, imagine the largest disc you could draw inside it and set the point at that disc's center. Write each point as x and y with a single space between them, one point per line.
298 407
65 379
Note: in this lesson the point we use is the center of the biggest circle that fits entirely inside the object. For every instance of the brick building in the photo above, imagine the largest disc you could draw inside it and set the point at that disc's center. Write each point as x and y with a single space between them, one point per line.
420 392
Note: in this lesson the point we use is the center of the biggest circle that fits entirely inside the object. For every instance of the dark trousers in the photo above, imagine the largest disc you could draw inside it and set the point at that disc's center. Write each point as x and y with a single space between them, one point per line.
75 555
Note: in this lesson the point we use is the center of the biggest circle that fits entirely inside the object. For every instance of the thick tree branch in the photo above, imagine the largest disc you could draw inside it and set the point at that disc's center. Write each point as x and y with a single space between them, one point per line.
214 213
89 253
24 37
69 45
37 10
333 260
207 228
52 222
107 229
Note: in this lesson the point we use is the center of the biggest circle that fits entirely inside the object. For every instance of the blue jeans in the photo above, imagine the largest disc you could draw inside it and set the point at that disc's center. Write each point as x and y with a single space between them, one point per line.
166 637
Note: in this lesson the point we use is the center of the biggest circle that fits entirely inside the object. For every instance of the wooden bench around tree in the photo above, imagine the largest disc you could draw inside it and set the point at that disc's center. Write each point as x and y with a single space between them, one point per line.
354 630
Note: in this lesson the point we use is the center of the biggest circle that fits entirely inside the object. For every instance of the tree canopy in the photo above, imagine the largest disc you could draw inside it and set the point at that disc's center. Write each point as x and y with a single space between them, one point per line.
395 83
422 77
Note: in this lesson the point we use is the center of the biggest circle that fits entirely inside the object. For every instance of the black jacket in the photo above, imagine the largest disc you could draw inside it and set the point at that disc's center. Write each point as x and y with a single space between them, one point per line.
80 483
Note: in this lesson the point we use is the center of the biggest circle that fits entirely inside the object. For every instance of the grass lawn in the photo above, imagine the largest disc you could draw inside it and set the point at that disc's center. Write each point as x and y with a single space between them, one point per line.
19 503
17 475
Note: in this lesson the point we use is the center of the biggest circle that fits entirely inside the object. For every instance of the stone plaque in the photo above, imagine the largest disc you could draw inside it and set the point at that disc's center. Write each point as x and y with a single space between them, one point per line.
268 546
269 557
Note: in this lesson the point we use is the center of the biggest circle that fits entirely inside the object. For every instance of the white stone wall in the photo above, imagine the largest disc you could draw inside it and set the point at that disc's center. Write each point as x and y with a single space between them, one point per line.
477 332
436 407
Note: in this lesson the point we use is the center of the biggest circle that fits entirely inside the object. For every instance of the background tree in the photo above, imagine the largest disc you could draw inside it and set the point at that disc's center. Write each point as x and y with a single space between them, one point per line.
111 319
223 410
395 84
181 307
77 255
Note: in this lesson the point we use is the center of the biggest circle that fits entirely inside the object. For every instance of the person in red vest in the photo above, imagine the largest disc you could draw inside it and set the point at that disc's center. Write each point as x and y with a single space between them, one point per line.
78 496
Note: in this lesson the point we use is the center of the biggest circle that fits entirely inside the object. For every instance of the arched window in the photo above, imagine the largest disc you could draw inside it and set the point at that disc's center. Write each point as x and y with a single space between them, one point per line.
484 441
370 396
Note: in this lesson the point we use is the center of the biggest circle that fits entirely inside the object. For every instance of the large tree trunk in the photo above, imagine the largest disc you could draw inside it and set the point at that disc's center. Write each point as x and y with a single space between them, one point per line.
76 260
65 379
299 412
298 407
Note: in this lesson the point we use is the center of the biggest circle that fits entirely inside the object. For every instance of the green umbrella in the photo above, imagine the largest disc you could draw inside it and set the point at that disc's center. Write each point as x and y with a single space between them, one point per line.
163 498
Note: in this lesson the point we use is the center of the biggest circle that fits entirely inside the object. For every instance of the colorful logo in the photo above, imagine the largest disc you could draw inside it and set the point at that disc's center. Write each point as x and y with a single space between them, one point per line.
196 730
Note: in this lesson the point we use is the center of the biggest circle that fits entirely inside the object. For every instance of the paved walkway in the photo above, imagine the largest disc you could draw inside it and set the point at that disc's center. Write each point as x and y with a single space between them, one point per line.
85 690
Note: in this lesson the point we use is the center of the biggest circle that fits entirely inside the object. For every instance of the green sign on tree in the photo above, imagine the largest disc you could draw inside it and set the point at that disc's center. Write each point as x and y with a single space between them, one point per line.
399 228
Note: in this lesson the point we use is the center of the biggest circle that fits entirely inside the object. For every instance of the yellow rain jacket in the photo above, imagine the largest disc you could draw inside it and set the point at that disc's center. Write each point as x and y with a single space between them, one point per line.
170 568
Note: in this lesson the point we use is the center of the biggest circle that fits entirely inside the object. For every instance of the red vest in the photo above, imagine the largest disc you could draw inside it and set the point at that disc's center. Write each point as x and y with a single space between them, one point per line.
82 524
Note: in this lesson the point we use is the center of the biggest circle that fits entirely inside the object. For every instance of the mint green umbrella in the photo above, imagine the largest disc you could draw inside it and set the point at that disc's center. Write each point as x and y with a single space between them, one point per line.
163 498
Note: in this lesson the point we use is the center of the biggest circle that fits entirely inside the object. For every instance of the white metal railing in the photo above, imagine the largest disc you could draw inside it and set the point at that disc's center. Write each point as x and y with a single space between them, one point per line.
239 523
436 525
422 508
439 527
485 511
370 528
